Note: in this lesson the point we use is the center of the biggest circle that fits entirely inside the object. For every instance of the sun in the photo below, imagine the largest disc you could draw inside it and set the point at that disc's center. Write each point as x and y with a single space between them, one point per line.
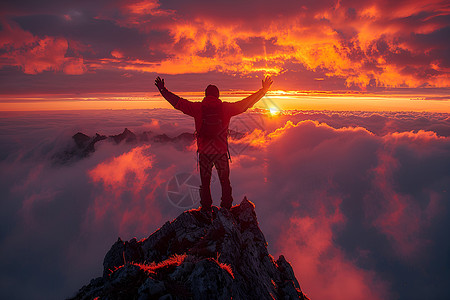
274 111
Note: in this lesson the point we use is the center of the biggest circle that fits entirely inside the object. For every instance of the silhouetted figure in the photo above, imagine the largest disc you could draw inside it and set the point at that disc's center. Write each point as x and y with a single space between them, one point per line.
212 118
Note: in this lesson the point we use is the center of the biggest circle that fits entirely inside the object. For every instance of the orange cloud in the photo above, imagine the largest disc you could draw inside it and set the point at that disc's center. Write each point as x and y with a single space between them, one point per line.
47 54
117 54
341 41
34 54
383 43
74 66
145 7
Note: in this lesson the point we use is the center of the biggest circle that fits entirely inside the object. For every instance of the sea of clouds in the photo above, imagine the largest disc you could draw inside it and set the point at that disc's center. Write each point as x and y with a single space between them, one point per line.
358 202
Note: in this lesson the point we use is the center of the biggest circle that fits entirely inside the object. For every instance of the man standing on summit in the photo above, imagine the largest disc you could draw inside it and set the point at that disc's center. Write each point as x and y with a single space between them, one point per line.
212 117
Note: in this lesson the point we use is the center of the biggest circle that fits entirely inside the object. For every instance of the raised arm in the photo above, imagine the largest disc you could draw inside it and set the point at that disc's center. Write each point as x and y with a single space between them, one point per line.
177 102
169 96
244 104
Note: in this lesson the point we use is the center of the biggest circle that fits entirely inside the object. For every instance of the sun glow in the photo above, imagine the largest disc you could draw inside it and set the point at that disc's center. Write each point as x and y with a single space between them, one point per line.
276 103
274 111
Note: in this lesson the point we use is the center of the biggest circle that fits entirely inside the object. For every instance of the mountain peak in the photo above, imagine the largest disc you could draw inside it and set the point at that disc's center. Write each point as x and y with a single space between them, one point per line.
198 255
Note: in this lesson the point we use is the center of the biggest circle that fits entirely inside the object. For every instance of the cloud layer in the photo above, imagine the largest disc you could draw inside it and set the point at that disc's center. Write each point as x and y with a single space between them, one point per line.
358 212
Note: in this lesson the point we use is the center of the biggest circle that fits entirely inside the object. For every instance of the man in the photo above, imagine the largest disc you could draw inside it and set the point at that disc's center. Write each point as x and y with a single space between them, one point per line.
212 118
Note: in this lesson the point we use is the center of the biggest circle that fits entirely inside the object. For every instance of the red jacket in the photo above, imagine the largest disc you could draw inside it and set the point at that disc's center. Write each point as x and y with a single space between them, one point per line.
229 109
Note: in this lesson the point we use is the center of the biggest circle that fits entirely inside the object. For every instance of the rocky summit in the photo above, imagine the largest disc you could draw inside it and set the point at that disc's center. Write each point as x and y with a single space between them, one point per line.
199 255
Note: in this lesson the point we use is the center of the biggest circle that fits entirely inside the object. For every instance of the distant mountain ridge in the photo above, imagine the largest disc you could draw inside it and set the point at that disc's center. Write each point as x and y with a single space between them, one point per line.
84 145
222 255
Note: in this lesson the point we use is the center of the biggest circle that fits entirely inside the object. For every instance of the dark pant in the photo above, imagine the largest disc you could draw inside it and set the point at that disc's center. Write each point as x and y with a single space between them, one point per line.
206 162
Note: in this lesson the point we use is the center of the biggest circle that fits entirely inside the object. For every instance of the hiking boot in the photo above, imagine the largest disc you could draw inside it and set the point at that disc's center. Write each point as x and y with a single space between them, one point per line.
206 209
225 205
227 199
215 210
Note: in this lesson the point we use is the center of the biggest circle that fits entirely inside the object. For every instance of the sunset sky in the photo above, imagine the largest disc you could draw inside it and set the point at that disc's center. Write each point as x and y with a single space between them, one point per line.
79 47
347 158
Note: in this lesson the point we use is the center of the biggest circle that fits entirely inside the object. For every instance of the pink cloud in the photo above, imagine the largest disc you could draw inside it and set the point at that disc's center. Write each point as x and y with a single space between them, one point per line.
126 191
115 174
322 267
401 217
321 178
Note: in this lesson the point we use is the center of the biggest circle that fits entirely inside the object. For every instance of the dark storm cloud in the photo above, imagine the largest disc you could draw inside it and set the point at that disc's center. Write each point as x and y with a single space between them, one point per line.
26 7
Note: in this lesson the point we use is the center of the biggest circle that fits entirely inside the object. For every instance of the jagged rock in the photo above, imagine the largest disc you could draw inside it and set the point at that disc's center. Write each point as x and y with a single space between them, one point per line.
126 135
145 136
221 255
121 253
90 147
162 138
184 137
81 140
180 141
84 146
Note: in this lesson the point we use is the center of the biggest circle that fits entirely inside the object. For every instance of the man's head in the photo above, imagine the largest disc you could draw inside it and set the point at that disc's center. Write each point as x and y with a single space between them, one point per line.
212 90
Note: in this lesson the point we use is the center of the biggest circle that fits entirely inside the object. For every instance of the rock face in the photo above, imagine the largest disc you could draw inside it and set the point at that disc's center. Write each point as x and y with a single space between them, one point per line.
221 255
126 135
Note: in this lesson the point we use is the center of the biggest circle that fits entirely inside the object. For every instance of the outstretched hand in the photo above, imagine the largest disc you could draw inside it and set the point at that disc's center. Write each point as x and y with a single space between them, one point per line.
159 83
266 83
